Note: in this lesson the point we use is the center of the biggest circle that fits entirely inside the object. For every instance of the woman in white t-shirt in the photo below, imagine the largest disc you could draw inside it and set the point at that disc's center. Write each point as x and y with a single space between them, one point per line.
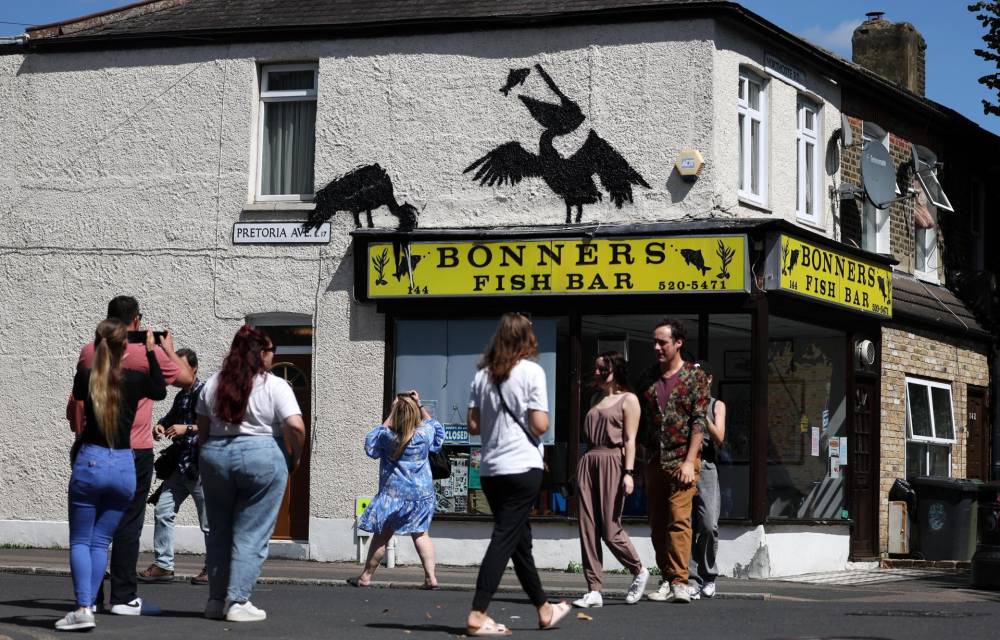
508 409
243 470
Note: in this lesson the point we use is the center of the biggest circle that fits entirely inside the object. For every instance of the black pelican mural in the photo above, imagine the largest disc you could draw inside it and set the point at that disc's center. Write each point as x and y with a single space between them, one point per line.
570 178
362 189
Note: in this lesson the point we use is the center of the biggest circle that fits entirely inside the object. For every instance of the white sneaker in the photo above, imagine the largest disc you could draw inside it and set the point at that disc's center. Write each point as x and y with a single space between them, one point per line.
708 590
136 608
679 593
76 621
215 609
638 585
245 612
590 599
662 594
694 591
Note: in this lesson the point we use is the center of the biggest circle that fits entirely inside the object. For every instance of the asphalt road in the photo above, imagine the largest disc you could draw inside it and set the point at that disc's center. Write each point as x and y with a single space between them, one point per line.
30 605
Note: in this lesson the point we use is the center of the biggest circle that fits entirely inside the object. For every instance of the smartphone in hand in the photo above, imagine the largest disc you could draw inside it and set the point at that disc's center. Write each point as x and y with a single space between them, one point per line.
139 337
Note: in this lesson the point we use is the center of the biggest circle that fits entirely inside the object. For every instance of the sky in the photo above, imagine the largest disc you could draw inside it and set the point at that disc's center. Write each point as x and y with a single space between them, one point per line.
950 30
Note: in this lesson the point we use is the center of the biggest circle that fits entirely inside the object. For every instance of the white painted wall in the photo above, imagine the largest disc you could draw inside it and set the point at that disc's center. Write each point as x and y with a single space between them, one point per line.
125 171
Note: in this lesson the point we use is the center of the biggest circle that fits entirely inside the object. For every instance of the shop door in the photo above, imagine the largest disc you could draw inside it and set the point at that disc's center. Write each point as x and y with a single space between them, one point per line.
293 518
862 472
977 446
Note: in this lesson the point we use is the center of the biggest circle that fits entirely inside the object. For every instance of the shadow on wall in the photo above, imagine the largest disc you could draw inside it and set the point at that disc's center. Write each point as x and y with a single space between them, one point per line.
677 187
365 323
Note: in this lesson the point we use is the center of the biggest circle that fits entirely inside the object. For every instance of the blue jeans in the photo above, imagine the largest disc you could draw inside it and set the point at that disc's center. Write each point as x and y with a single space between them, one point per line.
244 479
175 490
100 490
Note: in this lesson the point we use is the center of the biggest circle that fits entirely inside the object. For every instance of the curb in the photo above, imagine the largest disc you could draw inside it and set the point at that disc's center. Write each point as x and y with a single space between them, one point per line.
341 582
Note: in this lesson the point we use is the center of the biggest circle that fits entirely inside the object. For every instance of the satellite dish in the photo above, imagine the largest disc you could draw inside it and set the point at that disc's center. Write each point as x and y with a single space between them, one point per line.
878 176
845 130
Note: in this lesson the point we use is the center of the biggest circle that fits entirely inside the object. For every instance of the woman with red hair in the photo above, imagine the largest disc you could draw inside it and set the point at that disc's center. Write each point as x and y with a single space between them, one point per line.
244 471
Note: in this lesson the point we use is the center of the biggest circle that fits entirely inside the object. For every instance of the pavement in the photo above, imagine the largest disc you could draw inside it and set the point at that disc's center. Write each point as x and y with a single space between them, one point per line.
900 585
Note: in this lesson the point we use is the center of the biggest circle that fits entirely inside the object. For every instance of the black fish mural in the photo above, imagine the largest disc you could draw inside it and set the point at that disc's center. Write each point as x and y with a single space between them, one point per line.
694 258
406 267
881 287
793 259
570 178
514 78
365 188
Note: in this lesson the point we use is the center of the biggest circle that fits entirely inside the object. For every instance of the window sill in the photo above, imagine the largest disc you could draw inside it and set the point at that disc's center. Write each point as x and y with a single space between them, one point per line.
753 204
279 205
810 224
927 277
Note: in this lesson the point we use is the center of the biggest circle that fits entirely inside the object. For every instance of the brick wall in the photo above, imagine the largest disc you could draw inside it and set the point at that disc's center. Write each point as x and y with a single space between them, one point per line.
901 231
922 354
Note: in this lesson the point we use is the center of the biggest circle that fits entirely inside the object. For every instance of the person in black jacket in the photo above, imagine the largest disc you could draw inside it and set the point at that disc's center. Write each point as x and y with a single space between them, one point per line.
180 425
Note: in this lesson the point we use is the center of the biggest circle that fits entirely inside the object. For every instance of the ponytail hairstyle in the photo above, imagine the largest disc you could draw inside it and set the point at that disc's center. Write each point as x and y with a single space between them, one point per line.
105 385
513 341
403 421
243 363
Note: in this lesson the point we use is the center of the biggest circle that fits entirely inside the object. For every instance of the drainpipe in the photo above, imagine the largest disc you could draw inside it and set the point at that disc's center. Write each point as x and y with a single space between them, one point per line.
994 391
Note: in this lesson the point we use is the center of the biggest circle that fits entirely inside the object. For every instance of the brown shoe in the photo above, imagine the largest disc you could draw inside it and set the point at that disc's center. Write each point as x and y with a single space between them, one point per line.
201 578
154 573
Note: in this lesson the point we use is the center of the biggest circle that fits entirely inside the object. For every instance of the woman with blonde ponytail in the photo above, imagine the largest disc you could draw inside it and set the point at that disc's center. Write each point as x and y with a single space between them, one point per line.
103 478
405 499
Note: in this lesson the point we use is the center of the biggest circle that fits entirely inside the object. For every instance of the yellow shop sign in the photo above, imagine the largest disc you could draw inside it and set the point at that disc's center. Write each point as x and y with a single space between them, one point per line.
667 264
807 269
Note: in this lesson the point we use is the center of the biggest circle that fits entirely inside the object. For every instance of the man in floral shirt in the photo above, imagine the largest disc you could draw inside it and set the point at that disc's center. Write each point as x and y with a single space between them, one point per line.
674 406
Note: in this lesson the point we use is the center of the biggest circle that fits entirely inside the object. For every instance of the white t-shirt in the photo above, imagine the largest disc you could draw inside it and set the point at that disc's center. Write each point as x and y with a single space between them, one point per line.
506 448
271 403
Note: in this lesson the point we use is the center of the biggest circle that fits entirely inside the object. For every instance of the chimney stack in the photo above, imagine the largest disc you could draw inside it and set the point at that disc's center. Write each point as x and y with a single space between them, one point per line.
895 51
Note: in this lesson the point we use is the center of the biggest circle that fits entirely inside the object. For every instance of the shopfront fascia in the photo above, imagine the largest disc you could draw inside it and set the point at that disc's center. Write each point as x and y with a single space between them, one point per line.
591 289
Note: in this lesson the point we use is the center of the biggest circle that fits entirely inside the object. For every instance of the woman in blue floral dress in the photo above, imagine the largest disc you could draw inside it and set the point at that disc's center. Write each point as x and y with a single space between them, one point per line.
405 499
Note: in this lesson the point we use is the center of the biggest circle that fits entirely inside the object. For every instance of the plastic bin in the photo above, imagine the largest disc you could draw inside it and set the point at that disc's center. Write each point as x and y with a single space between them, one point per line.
946 517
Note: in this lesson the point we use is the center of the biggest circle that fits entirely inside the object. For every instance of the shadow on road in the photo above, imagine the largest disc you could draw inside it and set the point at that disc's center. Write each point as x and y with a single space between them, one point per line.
40 622
452 631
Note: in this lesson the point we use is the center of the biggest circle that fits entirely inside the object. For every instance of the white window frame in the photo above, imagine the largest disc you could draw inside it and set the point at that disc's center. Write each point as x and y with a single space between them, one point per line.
927 175
750 115
266 97
805 136
934 439
882 217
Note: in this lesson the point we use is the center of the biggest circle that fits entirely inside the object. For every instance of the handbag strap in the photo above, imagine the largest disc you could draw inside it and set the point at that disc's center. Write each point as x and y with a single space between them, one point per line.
532 438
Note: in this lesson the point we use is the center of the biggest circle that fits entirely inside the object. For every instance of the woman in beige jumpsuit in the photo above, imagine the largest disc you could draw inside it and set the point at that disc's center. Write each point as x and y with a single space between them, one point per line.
604 478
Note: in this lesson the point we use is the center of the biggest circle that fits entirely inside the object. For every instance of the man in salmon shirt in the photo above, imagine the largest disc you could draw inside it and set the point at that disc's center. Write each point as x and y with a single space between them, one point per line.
125 545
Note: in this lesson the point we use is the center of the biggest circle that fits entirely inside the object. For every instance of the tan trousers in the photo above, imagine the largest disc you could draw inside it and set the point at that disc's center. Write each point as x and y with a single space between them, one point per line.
601 498
669 506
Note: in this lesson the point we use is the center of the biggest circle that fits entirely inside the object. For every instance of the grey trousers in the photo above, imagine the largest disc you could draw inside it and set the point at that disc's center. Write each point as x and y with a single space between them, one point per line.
705 527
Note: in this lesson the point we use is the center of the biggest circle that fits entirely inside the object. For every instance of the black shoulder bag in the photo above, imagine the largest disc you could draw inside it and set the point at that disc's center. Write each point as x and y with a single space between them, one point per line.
532 438
440 464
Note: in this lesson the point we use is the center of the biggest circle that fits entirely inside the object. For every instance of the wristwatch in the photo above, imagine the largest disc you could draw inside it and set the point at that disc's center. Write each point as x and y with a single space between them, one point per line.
629 472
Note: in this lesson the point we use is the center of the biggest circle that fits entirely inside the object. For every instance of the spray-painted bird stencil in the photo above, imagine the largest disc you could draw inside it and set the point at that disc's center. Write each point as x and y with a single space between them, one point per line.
570 178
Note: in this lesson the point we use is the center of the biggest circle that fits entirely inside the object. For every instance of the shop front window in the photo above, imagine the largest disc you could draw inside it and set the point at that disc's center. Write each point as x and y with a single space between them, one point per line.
438 358
807 431
726 347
